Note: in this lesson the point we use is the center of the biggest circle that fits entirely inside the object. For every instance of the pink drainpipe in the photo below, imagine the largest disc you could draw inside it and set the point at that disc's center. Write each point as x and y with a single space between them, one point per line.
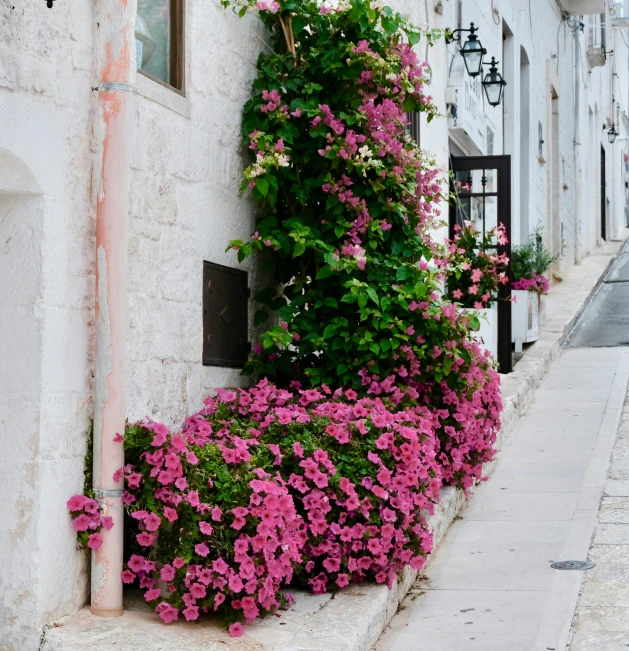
114 36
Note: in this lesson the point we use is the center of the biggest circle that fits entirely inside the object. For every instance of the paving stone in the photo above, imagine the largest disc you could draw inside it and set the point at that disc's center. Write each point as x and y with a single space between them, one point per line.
600 641
603 619
614 510
612 534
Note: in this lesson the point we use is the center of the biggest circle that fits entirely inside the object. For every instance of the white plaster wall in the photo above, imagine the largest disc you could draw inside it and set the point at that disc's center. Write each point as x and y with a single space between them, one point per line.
185 207
46 224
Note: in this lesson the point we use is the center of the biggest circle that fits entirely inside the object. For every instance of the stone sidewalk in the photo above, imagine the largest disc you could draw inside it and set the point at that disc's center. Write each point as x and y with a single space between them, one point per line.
601 621
490 586
354 618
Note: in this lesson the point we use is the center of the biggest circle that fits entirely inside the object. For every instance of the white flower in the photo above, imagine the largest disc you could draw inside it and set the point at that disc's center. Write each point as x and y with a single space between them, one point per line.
365 152
256 170
282 160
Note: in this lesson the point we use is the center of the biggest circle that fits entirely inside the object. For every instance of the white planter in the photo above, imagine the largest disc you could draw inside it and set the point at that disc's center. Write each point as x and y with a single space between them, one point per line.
524 318
487 336
541 312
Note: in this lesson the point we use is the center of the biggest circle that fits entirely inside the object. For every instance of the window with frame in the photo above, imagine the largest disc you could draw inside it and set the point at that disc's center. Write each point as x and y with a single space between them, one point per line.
159 39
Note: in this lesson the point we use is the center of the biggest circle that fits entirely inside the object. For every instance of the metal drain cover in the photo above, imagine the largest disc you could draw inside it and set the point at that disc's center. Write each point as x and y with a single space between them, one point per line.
572 565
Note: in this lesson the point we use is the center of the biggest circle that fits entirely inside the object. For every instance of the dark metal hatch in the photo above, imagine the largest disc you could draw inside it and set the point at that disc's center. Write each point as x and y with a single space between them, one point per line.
225 316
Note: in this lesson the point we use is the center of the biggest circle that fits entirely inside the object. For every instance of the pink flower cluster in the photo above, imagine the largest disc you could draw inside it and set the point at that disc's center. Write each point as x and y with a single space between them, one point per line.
223 557
88 520
266 482
536 283
365 524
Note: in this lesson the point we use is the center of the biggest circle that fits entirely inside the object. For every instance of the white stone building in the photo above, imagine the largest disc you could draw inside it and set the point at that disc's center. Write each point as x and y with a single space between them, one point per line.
182 170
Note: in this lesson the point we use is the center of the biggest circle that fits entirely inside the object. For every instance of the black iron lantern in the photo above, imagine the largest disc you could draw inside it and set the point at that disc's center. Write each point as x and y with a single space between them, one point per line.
472 50
494 84
612 133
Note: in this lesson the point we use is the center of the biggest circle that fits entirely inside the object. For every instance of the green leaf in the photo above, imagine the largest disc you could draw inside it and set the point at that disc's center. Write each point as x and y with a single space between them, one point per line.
362 300
331 302
330 331
339 231
271 72
300 247
262 185
371 292
374 348
474 323
389 25
349 298
324 272
402 273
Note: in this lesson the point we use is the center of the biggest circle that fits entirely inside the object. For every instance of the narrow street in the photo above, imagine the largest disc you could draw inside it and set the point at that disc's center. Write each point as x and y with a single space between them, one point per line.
490 585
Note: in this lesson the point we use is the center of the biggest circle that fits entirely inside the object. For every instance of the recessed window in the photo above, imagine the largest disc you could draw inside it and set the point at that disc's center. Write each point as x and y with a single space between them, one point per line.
159 38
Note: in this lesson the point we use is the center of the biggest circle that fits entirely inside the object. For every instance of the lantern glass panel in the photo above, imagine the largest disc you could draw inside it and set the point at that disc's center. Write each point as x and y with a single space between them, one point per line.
493 88
473 56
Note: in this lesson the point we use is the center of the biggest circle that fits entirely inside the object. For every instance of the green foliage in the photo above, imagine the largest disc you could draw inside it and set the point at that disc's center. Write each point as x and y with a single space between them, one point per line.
348 201
532 257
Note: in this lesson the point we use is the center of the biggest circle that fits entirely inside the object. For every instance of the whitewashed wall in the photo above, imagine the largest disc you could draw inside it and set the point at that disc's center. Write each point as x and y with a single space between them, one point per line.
184 208
46 309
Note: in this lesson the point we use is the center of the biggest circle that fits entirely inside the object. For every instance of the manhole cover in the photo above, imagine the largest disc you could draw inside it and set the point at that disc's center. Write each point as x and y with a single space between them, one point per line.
572 565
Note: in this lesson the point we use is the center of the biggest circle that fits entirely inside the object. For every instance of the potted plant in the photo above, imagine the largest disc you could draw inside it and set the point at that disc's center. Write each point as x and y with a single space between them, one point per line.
476 273
529 263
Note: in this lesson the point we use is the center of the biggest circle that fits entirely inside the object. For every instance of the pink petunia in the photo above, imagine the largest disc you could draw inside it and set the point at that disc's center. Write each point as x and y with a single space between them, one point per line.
152 522
127 576
202 549
167 612
167 573
94 541
206 528
170 514
82 523
107 522
136 563
236 630
146 539
152 594
76 502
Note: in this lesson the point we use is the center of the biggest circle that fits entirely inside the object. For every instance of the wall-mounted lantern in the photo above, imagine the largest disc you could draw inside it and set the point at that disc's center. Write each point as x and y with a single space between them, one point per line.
472 50
493 83
611 133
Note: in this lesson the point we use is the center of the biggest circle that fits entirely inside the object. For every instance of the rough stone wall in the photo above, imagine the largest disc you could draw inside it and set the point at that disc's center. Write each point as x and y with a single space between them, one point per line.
46 251
185 208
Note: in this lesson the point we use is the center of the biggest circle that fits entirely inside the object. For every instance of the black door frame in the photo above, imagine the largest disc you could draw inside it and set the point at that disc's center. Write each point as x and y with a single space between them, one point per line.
502 165
603 195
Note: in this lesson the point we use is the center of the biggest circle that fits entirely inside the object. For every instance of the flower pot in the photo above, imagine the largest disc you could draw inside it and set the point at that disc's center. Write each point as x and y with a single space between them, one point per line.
487 336
524 318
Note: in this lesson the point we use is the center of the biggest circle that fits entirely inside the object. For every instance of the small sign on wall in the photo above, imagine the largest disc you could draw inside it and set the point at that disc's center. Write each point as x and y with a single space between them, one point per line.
225 316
